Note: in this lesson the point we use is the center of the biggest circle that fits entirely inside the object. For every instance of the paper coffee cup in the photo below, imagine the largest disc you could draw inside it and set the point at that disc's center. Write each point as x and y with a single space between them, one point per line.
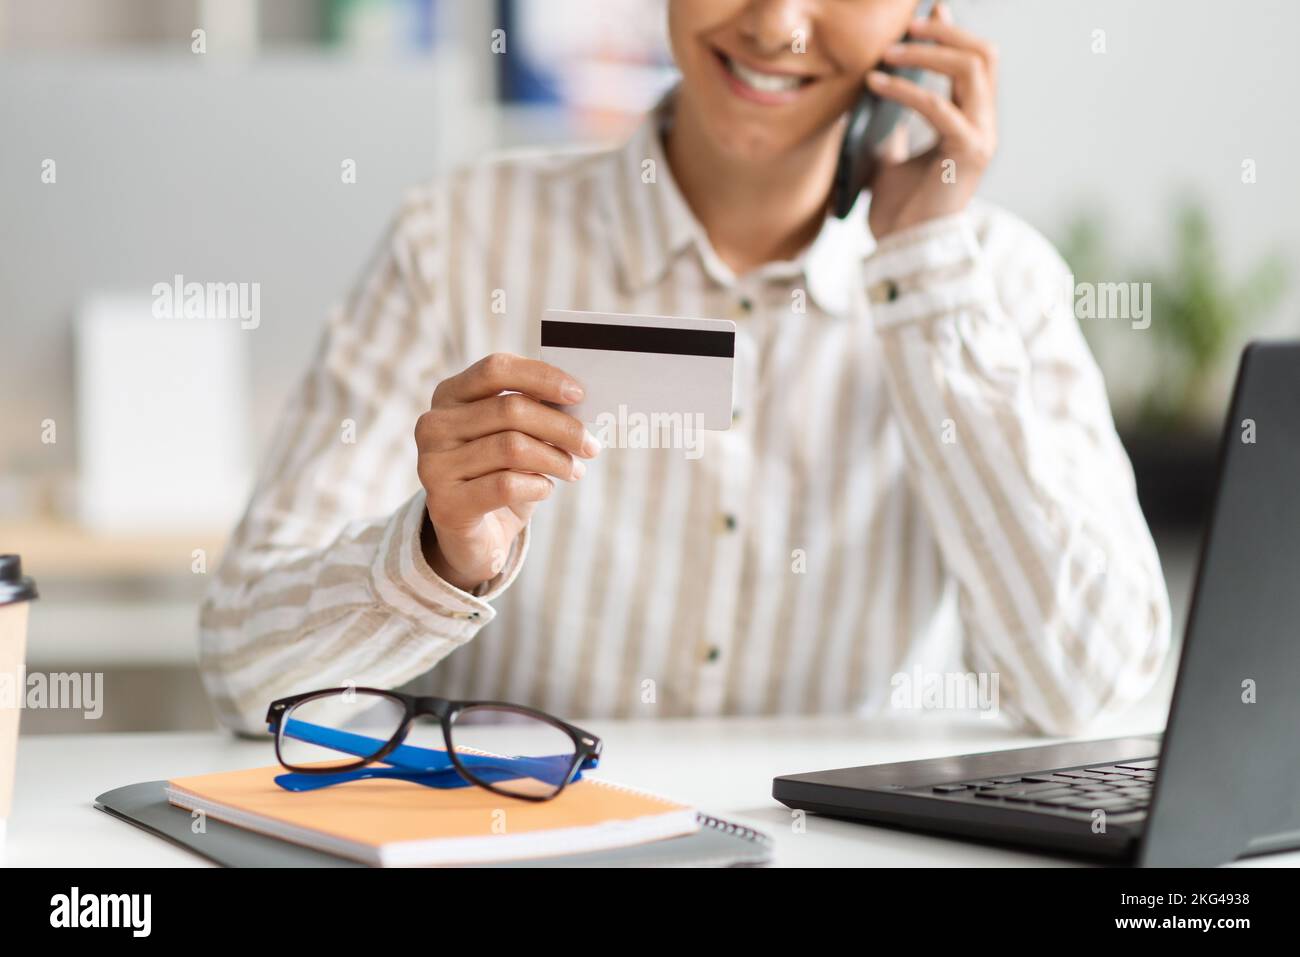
16 593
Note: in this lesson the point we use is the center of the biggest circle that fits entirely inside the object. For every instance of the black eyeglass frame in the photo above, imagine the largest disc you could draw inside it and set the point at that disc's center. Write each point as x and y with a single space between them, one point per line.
586 746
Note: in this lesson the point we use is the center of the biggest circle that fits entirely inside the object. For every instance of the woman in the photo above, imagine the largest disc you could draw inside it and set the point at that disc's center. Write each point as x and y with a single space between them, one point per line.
922 472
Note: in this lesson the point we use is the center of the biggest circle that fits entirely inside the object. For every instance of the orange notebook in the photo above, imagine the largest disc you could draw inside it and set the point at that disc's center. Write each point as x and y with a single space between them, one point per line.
398 824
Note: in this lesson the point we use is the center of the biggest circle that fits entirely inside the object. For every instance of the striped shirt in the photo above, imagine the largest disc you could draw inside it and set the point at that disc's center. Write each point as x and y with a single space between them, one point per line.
922 475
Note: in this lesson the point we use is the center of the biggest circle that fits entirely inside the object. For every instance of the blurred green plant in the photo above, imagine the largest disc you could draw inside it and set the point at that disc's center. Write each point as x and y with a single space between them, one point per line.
1198 312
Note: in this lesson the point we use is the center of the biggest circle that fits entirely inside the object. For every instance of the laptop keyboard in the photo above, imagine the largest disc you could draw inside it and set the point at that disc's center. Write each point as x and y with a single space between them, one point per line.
1113 788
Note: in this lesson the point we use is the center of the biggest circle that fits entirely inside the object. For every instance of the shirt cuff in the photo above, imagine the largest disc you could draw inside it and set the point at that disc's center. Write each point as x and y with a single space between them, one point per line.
403 580
931 269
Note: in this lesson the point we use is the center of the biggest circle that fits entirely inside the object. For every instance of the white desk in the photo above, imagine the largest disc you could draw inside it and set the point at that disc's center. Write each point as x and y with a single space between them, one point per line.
722 766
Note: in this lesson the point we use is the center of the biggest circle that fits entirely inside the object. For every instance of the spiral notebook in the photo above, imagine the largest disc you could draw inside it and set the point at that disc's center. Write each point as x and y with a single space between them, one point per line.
393 823
714 843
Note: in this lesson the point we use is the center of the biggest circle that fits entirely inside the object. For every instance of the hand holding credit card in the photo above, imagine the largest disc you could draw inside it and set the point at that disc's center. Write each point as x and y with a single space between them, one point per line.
651 366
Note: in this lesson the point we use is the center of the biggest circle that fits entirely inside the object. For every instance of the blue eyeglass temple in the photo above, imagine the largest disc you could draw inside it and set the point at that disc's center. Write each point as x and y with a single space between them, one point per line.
426 766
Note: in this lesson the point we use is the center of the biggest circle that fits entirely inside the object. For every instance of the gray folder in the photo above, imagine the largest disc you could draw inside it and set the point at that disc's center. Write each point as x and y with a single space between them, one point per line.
716 844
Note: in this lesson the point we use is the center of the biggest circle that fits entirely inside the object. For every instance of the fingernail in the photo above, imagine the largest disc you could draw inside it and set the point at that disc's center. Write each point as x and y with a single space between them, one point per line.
895 49
878 77
579 469
572 392
590 445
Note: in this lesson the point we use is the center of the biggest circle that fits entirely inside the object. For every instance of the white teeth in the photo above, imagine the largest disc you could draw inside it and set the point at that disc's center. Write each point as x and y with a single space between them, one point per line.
762 82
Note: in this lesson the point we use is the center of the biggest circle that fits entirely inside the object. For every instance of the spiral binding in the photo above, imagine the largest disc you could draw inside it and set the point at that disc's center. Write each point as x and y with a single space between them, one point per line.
730 827
705 820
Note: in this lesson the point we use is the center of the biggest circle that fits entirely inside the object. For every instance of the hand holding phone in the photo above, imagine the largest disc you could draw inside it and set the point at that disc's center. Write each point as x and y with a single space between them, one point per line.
870 123
942 180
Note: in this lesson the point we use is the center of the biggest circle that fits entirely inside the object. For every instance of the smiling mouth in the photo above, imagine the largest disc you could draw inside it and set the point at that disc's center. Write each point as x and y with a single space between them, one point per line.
760 82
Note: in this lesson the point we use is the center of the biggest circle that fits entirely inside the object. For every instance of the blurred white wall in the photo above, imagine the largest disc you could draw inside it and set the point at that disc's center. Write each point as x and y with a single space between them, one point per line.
1186 91
216 172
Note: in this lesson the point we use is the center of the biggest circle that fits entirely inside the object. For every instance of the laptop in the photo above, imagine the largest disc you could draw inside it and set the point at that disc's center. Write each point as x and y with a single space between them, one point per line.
1223 781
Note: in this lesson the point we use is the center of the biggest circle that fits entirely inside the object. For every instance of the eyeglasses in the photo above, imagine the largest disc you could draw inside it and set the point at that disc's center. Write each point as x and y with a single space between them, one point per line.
345 734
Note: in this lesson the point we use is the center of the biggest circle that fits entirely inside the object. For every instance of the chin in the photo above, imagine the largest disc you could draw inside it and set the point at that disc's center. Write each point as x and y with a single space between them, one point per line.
750 142
754 139
760 134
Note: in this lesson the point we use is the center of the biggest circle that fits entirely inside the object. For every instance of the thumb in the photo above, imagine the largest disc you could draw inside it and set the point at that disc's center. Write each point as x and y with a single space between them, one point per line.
524 511
894 149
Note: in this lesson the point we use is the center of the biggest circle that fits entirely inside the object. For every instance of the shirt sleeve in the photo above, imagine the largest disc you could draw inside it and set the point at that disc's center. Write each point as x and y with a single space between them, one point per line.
324 582
1011 447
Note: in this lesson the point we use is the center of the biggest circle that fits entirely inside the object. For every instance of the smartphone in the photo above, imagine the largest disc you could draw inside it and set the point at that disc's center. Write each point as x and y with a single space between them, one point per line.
871 121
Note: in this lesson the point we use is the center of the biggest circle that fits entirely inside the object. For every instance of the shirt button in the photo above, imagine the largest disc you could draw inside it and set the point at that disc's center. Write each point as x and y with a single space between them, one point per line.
727 522
712 653
884 291
746 304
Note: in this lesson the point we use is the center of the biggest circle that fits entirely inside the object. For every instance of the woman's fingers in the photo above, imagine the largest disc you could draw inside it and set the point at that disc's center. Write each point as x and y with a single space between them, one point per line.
972 88
941 29
966 121
895 147
940 111
505 372
962 66
456 506
505 489
487 444
449 427
509 451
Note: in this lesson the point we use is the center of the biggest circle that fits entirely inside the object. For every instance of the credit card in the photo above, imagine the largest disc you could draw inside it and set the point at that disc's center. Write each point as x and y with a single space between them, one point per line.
644 365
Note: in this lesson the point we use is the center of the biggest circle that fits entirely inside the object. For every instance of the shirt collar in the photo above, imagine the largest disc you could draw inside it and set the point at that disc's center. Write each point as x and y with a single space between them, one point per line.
653 225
